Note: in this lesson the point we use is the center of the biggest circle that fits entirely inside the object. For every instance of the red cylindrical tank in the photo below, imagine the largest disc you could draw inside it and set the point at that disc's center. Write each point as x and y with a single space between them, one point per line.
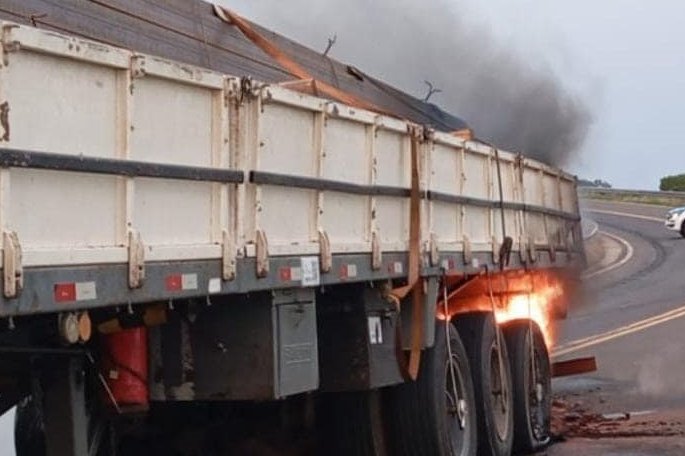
125 367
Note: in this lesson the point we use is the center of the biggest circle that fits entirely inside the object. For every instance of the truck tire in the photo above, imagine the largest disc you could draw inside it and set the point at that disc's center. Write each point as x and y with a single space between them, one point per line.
532 393
424 417
29 430
682 229
491 382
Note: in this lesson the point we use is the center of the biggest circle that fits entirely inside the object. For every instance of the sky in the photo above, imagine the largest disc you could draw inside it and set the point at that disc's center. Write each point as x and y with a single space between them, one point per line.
623 58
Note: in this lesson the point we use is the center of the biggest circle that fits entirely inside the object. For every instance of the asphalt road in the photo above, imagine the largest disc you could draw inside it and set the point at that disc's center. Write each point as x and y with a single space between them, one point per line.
632 319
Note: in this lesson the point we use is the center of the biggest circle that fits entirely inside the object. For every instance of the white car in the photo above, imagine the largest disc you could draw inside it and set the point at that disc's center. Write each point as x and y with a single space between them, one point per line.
675 220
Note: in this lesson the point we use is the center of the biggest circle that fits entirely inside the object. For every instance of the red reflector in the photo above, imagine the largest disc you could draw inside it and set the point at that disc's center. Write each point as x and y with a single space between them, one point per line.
174 282
284 274
65 292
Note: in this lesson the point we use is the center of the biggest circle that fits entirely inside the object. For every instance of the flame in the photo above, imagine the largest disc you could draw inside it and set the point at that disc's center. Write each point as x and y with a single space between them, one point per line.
538 306
533 295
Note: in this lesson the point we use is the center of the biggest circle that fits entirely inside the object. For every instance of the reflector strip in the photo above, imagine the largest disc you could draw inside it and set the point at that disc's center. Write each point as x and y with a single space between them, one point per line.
85 291
65 292
75 291
348 271
174 282
189 281
181 282
296 274
284 274
214 285
290 274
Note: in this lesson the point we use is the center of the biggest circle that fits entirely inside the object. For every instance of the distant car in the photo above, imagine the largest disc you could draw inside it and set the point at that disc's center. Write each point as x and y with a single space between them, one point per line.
675 220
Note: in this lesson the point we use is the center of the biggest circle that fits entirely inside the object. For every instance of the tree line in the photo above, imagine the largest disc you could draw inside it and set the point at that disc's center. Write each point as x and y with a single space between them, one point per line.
674 183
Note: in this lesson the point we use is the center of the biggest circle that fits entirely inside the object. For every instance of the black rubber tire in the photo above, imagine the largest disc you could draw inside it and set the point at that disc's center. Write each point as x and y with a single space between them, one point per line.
417 413
682 229
532 403
494 400
29 430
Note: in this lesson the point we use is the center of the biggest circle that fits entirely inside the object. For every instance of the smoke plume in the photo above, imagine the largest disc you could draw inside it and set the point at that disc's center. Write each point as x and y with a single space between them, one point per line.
496 91
662 374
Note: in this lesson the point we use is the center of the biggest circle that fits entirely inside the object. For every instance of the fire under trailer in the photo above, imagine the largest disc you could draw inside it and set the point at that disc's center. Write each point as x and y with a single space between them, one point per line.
213 235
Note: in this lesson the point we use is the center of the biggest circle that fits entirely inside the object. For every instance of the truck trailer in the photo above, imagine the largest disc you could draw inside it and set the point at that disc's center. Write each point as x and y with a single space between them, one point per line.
197 260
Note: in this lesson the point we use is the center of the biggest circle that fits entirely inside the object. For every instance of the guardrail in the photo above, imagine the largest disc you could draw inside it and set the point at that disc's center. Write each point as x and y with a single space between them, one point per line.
634 196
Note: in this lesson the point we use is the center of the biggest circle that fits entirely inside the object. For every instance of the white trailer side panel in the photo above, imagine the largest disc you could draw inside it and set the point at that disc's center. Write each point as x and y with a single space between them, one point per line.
317 176
345 157
70 107
392 166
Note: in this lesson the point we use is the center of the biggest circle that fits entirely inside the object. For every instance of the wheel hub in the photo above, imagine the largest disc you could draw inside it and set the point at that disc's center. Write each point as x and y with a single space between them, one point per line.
456 404
539 392
462 412
499 394
537 396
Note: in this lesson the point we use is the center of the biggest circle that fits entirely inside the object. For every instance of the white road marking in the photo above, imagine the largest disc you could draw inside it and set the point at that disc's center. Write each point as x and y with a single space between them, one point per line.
629 254
640 325
626 214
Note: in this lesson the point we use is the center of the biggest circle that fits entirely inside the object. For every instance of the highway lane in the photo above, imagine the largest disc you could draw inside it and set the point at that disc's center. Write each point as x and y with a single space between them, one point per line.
632 318
649 284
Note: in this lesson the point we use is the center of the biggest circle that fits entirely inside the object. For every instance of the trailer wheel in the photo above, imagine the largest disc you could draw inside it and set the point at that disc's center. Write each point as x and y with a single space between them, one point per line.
436 414
29 430
30 419
531 375
491 381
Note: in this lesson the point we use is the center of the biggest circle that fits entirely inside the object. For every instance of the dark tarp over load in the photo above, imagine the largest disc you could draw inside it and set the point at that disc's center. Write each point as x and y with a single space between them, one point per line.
189 31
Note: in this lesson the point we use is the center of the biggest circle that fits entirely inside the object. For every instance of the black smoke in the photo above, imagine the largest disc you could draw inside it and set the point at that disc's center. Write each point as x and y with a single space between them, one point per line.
506 99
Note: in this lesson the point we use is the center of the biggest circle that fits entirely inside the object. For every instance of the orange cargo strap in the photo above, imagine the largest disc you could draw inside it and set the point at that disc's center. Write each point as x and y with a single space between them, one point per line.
464 133
308 86
411 370
288 63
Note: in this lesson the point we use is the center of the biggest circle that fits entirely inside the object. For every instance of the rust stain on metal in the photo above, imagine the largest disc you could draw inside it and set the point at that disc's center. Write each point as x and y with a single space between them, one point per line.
574 367
5 121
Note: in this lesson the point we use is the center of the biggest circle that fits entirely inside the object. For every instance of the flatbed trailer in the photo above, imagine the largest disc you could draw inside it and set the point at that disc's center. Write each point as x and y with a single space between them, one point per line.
241 241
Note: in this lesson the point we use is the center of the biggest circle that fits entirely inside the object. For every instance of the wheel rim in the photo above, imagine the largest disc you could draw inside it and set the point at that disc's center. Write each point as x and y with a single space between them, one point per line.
499 395
457 407
538 395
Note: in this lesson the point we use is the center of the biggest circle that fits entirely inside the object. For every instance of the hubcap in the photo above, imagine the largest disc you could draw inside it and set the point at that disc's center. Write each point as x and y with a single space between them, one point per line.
461 413
499 395
539 391
458 410
538 396
457 407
